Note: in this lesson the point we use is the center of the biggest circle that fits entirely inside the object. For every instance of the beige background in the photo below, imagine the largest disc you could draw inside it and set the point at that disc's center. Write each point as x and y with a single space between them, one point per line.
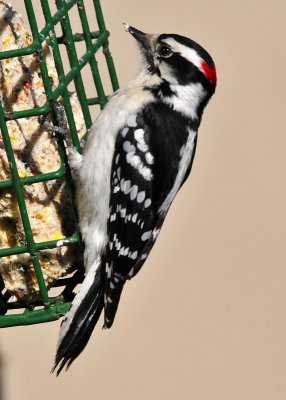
205 318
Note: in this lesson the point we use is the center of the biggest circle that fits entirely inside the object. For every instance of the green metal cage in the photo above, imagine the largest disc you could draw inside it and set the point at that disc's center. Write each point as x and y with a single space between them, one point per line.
50 308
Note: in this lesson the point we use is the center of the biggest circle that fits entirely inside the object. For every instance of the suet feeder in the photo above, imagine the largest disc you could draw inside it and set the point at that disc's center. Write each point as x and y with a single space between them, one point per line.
40 245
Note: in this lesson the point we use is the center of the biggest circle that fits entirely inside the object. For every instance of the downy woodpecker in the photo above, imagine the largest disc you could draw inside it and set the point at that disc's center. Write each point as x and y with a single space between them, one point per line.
138 153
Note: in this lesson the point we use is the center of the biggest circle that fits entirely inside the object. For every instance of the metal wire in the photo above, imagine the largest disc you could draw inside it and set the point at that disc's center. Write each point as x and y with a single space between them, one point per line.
53 307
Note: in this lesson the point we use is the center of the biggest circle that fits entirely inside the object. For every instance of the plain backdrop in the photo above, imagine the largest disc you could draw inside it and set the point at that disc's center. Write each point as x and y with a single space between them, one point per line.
205 318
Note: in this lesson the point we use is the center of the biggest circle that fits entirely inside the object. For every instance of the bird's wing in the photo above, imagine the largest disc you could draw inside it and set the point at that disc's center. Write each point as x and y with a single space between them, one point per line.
144 172
133 206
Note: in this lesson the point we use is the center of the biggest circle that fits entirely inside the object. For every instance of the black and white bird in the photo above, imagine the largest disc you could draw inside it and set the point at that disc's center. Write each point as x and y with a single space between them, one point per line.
138 154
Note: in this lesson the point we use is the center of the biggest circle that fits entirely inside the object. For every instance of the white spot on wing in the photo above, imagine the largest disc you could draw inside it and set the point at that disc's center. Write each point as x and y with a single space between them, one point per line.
133 192
128 147
139 135
126 188
143 147
119 172
108 270
134 255
123 212
146 236
156 233
141 196
122 184
133 160
149 158
146 173
147 203
113 217
124 132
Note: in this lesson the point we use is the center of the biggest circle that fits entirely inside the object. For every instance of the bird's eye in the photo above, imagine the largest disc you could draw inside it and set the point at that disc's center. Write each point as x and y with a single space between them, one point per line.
164 51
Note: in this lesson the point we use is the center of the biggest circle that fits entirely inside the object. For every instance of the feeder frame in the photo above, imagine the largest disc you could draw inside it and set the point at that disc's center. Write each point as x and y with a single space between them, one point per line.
52 308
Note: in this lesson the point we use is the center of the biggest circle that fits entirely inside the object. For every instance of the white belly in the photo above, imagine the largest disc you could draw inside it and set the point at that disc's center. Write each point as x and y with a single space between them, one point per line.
93 185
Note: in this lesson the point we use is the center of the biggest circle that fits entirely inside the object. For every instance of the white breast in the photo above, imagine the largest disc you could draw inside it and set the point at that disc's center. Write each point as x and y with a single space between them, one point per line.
93 186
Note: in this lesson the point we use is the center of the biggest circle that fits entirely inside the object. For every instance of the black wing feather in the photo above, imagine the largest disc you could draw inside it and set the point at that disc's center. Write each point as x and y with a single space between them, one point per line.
144 170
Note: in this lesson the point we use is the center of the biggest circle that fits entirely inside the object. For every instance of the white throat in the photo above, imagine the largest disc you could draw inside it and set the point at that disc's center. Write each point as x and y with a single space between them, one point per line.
186 99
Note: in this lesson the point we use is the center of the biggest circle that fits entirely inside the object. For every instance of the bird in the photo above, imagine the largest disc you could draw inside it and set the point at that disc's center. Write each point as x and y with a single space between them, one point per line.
138 153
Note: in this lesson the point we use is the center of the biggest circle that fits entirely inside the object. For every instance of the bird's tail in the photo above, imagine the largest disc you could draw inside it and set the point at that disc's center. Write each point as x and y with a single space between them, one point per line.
111 301
81 318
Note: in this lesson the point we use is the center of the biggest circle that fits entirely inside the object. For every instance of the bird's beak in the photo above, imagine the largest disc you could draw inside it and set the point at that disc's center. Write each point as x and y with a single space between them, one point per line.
146 44
141 37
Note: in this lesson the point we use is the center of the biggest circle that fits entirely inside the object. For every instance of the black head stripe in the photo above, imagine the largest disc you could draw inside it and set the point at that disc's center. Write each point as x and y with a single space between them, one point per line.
184 71
191 44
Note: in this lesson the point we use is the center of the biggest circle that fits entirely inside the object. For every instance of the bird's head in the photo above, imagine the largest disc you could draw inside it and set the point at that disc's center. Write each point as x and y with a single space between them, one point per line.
177 59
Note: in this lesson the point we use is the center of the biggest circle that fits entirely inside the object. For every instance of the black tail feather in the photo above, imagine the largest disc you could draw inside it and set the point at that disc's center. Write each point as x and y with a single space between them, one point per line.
82 324
110 307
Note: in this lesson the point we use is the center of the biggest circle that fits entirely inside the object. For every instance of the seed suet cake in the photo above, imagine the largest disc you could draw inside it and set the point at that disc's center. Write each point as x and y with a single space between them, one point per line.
49 210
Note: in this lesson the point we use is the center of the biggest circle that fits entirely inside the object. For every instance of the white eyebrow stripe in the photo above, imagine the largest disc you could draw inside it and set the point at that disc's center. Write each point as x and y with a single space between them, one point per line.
186 52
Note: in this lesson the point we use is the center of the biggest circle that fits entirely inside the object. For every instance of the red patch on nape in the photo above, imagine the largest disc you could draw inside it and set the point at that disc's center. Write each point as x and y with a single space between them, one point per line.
210 72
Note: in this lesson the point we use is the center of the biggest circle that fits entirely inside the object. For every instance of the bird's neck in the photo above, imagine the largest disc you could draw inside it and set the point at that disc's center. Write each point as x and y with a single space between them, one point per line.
188 100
